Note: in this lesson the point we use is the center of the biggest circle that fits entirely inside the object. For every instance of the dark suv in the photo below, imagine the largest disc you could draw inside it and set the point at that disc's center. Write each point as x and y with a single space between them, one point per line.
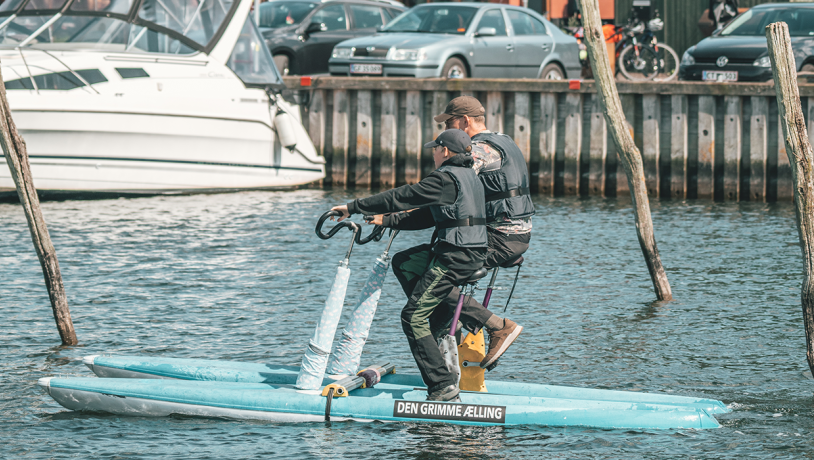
302 33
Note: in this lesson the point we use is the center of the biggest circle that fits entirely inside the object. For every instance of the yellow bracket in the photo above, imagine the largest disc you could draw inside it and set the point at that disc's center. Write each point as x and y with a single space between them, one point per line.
473 350
339 390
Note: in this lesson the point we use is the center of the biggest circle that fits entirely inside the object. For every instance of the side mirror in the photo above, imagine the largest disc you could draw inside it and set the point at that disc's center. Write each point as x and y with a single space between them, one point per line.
315 27
486 32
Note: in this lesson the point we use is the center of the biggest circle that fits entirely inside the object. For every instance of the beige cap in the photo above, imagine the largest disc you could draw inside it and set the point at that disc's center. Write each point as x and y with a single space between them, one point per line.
460 106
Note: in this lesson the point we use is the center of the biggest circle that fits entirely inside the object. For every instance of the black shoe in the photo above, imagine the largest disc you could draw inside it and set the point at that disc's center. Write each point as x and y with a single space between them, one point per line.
448 393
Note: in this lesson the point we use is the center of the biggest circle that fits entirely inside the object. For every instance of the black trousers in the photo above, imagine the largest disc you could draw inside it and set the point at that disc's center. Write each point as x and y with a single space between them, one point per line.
427 283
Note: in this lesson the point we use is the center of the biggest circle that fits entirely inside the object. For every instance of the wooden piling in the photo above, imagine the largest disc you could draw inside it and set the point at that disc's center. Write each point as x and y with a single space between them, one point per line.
522 124
341 138
573 143
389 139
732 148
706 147
629 112
413 138
784 180
758 147
16 156
801 163
363 171
598 148
678 147
628 152
651 150
494 111
548 143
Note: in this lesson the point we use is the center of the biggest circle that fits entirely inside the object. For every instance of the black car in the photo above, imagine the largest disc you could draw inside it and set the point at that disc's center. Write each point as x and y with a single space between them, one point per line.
739 51
302 33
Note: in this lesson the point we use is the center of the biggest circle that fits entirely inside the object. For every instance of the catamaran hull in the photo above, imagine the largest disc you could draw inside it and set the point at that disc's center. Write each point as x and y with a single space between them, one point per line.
385 402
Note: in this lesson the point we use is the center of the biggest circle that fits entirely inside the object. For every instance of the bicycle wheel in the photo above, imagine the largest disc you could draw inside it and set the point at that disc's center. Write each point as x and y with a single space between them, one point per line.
668 63
645 66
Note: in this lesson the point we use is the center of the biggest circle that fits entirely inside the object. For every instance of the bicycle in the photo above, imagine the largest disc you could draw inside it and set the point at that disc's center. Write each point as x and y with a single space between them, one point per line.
640 56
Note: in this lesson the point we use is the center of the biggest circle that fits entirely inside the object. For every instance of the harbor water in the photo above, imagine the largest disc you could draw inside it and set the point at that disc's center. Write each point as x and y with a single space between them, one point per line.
243 277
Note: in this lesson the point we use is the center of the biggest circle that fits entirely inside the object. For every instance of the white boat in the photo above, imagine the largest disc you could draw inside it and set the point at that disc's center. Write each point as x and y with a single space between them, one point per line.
149 96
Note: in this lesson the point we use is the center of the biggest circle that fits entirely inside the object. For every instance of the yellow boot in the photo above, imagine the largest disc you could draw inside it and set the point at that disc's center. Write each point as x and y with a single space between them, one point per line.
472 350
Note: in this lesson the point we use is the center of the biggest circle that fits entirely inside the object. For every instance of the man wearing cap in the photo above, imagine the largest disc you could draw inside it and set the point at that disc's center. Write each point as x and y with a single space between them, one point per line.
451 199
502 169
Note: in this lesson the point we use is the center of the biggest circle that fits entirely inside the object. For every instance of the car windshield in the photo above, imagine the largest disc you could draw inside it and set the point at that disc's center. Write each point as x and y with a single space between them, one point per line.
440 19
281 14
754 22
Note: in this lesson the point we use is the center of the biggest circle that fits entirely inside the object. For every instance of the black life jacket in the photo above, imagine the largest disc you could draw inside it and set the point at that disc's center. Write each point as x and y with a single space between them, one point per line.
462 223
507 188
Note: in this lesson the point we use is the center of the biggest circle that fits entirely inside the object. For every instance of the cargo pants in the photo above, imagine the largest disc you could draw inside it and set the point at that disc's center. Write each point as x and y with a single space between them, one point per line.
426 282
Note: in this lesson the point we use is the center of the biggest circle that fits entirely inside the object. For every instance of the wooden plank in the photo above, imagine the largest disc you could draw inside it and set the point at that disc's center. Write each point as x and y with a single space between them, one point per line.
363 171
340 132
678 147
785 192
389 132
316 120
439 103
573 143
629 110
413 138
548 143
811 120
651 114
706 146
494 111
758 148
522 124
732 147
598 148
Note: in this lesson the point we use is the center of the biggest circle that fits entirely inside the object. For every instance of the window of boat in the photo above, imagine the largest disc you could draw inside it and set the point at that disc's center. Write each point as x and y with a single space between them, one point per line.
44 5
366 16
105 6
21 27
197 19
109 34
494 18
443 19
333 16
59 81
251 60
10 5
754 22
281 14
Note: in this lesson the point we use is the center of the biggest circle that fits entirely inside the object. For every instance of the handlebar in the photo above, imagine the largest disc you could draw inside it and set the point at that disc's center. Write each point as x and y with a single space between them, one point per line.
375 235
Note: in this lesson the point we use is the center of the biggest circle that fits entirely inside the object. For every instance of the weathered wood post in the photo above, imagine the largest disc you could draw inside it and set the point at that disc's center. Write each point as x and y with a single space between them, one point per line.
629 155
801 160
17 159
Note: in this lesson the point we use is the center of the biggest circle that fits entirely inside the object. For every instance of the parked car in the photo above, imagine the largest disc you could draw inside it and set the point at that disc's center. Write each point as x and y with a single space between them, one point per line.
459 40
301 33
739 51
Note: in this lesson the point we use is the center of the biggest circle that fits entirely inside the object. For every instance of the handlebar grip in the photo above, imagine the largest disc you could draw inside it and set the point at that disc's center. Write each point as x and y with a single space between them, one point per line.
375 235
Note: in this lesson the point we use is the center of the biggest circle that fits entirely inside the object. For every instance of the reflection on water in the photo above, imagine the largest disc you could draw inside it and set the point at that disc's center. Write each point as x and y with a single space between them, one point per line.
243 277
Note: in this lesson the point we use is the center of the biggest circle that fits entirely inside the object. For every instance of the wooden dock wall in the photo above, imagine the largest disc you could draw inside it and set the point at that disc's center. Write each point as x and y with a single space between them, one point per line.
698 140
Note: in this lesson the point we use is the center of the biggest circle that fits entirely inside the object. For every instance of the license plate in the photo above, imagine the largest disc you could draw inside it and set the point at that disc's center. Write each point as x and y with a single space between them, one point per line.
715 75
369 69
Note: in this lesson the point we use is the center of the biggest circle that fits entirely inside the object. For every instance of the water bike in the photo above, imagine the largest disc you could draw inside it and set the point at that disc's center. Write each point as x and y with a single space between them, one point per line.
330 385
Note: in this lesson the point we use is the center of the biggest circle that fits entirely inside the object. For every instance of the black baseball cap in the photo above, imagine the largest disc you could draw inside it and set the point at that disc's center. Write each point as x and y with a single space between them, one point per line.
454 139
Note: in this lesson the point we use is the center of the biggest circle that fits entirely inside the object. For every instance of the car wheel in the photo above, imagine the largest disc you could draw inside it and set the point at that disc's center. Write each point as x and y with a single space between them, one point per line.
454 68
552 72
807 68
282 61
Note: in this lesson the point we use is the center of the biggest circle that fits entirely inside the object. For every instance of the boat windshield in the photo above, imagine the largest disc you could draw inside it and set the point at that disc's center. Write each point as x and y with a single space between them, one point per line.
160 26
251 60
754 22
281 14
439 19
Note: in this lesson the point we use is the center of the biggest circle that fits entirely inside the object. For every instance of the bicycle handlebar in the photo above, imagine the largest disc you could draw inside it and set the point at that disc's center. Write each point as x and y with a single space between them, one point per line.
375 235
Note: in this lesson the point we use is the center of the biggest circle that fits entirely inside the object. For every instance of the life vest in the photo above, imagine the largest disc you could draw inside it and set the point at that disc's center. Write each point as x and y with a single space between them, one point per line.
506 188
462 223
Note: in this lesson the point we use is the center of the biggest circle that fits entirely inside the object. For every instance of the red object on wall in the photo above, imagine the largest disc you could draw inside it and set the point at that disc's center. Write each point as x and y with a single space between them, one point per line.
573 84
556 9
305 81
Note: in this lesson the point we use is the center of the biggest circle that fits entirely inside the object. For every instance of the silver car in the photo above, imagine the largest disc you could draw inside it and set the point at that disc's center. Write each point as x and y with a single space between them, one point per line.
460 40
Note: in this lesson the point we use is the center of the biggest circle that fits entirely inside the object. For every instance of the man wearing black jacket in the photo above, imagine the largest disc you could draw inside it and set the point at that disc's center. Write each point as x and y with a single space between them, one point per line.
502 169
452 200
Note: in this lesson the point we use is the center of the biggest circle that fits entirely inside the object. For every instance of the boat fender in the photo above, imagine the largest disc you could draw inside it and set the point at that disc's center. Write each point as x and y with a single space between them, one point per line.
284 125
